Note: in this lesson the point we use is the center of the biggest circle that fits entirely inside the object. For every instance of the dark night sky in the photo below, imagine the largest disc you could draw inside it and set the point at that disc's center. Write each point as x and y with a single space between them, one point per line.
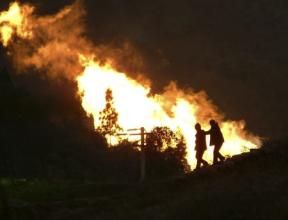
234 50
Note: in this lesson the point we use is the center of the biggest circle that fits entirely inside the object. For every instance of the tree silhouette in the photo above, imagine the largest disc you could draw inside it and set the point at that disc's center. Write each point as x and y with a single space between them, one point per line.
161 138
168 145
109 117
178 155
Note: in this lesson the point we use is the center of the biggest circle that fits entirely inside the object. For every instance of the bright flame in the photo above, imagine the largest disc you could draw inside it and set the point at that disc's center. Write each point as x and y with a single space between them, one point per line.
137 108
14 21
53 43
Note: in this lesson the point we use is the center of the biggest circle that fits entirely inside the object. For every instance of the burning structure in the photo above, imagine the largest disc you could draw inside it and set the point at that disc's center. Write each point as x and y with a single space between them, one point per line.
56 45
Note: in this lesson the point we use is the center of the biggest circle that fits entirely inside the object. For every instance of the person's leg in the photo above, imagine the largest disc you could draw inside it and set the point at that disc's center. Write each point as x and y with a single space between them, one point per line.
204 162
198 160
219 155
215 155
198 164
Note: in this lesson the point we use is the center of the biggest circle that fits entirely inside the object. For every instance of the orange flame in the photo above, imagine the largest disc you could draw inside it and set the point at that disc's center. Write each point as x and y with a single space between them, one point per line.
14 21
136 108
58 54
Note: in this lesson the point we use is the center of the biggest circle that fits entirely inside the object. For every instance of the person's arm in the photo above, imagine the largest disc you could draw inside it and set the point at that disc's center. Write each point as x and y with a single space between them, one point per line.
207 132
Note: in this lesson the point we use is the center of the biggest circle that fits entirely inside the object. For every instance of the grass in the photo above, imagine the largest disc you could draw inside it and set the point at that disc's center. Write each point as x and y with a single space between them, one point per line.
250 186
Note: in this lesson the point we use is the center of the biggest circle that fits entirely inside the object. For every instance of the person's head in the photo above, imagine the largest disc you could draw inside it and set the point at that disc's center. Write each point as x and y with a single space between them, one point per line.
198 127
212 122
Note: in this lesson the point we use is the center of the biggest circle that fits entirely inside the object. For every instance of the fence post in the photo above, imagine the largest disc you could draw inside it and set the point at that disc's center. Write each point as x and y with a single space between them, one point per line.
143 156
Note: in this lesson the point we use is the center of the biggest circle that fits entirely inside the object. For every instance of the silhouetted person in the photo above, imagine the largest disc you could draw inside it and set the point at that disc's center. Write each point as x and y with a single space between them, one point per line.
200 146
216 139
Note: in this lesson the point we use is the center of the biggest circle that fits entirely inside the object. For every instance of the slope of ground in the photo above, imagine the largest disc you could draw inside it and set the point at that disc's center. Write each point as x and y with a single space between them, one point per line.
247 186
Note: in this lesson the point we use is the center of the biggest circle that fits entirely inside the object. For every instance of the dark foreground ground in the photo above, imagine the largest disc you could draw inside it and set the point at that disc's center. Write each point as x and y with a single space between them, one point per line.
249 186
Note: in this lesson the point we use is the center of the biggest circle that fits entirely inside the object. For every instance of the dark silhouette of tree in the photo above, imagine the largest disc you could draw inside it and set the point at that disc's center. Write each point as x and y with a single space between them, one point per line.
109 117
167 146
161 138
178 155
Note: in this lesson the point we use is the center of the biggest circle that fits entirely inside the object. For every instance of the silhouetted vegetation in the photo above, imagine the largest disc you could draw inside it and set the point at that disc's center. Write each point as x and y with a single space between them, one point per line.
168 147
45 134
54 165
109 117
251 185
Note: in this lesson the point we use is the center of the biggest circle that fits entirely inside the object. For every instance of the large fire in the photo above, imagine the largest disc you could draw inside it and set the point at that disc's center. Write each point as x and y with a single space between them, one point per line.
175 108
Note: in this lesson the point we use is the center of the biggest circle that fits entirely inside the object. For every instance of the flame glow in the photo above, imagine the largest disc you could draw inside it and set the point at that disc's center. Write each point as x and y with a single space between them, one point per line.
14 21
69 54
136 108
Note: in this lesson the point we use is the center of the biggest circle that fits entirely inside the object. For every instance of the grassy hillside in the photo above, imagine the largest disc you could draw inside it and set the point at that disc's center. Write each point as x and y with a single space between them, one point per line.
248 186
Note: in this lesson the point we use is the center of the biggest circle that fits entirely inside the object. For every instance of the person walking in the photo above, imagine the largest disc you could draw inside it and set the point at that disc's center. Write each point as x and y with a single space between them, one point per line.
216 140
200 146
